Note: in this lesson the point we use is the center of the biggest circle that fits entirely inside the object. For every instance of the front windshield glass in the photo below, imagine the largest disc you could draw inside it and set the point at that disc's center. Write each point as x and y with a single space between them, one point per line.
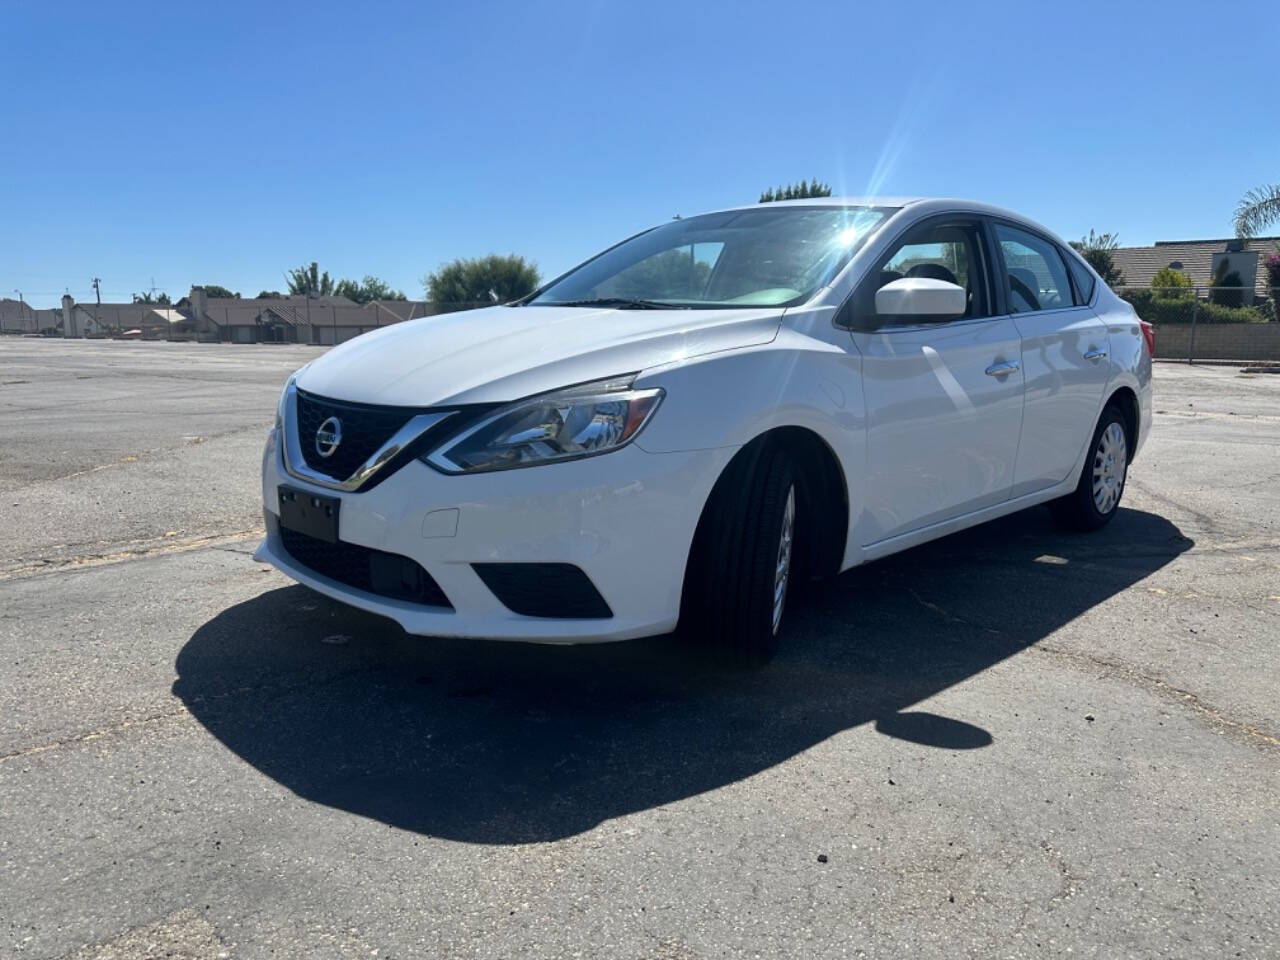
759 257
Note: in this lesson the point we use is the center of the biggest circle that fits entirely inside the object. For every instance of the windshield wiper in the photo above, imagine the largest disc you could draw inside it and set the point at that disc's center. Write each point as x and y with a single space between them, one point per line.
622 303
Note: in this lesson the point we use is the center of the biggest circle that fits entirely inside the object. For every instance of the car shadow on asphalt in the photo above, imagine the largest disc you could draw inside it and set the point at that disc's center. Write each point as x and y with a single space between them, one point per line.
490 742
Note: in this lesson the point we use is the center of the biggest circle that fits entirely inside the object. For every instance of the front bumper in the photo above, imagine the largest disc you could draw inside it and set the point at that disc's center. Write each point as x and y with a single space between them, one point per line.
626 519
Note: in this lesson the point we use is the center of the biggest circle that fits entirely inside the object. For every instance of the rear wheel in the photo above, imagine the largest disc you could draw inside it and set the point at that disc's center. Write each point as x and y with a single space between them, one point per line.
742 563
1097 496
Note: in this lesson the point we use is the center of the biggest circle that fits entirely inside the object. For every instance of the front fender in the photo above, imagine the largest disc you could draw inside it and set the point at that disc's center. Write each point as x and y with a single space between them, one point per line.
730 398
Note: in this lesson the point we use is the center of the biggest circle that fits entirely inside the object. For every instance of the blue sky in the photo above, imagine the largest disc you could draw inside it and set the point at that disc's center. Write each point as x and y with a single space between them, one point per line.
226 143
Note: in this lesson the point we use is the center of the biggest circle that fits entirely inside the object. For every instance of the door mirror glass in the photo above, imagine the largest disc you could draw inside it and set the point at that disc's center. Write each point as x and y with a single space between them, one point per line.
921 298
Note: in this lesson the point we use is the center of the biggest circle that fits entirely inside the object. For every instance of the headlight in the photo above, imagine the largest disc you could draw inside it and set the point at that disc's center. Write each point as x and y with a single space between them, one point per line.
569 424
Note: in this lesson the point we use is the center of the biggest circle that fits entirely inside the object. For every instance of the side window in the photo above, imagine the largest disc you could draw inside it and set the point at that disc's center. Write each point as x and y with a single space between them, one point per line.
1083 277
944 251
1036 277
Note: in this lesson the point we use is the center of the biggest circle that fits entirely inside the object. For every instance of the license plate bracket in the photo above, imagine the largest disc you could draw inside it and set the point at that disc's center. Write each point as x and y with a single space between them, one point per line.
309 513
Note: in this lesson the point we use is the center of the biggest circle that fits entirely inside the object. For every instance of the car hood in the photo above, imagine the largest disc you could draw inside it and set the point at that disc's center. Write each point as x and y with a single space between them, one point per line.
504 353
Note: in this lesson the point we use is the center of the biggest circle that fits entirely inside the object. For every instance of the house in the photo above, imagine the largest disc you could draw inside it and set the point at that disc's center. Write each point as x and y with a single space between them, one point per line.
296 319
111 319
318 320
18 317
1199 260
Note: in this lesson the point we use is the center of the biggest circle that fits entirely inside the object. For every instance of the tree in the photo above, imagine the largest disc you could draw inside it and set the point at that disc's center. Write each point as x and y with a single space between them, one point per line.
310 282
270 295
1257 210
492 279
220 292
671 275
1172 283
148 297
368 289
1096 249
798 191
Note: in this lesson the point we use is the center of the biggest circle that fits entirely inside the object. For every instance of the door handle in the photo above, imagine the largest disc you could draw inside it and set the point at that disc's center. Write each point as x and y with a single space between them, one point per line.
1002 369
1094 355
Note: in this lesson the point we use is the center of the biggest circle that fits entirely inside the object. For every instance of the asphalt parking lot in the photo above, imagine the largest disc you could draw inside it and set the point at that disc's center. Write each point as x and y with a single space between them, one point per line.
1012 742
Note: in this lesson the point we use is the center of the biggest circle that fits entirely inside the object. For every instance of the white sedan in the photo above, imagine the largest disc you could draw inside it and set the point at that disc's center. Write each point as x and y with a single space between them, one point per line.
674 431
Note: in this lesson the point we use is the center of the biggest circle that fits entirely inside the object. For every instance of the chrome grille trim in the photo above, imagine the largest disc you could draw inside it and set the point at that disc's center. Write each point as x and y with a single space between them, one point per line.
296 464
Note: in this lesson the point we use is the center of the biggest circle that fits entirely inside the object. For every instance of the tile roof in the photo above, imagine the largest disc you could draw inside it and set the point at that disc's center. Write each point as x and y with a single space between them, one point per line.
1195 259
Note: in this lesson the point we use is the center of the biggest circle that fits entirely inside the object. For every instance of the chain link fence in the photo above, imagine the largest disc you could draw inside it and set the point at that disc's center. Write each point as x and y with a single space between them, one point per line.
1210 323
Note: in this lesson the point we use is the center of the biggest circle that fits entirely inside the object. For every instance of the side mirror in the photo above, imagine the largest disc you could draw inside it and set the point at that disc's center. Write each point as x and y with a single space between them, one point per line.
921 298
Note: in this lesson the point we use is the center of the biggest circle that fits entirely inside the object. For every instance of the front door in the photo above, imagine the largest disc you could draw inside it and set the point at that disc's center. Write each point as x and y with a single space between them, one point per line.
943 400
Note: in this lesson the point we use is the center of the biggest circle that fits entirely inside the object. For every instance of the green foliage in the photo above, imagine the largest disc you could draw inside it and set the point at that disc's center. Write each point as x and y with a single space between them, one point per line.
310 282
1272 265
798 191
1096 249
1257 210
1167 310
270 295
1172 283
219 292
474 282
148 297
370 288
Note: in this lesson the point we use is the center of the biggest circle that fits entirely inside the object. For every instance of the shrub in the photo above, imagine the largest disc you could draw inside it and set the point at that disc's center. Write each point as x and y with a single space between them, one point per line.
1171 283
1159 309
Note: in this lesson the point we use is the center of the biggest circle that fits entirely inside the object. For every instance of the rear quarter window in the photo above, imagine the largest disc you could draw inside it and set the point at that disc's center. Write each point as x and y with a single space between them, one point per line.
1083 278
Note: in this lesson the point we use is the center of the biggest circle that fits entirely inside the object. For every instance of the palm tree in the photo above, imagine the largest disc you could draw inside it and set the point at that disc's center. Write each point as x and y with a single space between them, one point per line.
1257 210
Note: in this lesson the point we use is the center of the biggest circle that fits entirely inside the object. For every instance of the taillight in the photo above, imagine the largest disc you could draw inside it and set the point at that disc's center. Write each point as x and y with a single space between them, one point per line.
1149 335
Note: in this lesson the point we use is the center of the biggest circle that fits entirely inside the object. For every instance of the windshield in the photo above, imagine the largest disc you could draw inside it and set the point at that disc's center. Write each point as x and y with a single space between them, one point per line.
760 257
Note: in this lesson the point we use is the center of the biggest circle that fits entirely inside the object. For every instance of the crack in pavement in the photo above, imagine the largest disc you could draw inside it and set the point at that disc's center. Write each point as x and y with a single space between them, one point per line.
275 690
1118 669
1124 671
153 547
92 735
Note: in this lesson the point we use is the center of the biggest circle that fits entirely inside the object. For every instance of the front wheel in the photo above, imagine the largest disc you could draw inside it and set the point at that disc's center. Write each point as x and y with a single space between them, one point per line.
1097 496
742 563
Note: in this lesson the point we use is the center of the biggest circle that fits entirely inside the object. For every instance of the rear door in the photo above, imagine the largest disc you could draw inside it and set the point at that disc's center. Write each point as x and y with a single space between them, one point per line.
943 399
1064 356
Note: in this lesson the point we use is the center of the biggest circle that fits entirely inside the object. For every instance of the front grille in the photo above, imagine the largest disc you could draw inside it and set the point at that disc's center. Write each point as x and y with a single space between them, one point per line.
558 590
365 428
373 571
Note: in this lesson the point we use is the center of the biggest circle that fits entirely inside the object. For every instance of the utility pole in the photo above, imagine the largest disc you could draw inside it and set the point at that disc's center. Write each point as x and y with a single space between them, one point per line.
97 313
22 308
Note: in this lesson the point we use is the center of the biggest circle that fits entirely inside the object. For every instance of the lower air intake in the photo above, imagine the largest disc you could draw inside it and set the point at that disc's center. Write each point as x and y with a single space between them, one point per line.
373 571
557 590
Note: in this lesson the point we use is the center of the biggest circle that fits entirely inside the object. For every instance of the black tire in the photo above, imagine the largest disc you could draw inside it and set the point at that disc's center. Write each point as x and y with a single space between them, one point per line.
1080 510
729 587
